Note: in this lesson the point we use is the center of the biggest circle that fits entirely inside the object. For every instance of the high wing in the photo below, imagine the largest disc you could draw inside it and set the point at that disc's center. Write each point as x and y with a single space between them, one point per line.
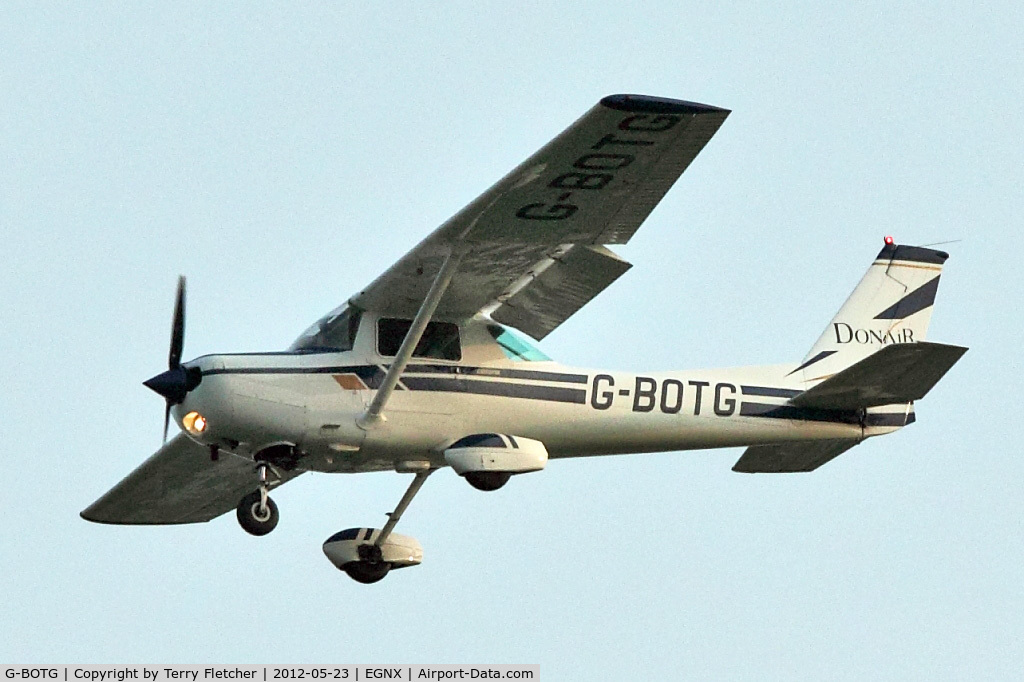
531 246
178 484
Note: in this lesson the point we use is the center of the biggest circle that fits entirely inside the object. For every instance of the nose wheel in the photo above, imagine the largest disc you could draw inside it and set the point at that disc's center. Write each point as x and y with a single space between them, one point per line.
257 513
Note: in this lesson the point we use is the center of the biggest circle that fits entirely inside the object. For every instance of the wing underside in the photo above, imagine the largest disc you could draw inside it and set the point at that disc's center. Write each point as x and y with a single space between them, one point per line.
531 246
178 484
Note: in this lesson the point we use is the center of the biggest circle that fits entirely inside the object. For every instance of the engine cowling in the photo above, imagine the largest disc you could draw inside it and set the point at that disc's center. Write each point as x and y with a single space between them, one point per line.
488 460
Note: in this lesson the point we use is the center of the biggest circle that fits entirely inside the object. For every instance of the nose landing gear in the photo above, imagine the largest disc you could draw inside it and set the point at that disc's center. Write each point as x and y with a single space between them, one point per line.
257 513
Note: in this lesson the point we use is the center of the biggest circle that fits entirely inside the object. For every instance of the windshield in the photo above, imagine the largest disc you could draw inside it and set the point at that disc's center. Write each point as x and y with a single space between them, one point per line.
514 347
334 332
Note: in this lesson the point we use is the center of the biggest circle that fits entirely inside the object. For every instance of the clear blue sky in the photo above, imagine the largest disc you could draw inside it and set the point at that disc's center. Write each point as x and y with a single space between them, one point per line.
281 157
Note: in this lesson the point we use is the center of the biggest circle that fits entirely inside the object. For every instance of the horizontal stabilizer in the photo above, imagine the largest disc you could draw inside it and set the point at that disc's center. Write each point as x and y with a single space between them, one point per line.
896 374
791 457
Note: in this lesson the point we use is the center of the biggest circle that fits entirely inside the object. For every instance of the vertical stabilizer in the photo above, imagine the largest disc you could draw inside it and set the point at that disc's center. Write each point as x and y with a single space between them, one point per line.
892 304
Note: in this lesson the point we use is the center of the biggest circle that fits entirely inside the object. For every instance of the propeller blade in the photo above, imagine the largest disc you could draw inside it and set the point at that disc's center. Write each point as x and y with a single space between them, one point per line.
175 383
178 327
167 419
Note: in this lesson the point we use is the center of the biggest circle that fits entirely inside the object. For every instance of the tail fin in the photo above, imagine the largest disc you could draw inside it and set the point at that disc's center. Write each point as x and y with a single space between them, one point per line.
892 304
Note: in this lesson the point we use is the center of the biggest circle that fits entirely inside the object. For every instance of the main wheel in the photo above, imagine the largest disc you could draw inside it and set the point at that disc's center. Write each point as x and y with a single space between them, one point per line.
252 520
366 573
487 480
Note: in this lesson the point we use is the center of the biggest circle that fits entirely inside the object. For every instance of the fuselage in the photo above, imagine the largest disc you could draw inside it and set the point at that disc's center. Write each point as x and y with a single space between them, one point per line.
314 400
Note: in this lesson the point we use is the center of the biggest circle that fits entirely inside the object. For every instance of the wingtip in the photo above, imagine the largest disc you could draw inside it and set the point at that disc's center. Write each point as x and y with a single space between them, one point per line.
89 514
103 521
647 104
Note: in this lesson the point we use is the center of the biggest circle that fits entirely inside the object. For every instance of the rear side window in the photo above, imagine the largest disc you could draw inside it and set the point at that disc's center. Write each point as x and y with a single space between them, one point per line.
514 347
440 340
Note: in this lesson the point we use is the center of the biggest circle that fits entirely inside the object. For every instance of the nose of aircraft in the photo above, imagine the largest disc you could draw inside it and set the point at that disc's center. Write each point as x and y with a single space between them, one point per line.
175 383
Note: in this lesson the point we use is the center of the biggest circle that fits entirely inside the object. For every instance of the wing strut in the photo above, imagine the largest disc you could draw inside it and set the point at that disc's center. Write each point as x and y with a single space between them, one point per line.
412 337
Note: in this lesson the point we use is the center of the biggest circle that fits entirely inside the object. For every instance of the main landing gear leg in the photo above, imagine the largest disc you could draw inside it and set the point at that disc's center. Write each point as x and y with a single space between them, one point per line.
395 516
257 513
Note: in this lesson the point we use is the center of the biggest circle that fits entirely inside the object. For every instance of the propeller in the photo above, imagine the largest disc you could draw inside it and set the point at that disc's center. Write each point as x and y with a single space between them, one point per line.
174 384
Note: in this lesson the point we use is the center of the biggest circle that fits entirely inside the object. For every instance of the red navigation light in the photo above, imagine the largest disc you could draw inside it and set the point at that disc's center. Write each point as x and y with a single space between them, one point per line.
888 240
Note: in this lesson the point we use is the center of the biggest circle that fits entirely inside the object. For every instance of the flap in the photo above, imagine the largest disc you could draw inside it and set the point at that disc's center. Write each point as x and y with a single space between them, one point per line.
179 483
791 457
896 374
569 282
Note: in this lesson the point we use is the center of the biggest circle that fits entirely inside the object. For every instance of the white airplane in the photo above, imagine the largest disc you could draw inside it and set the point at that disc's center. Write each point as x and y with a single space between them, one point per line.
420 371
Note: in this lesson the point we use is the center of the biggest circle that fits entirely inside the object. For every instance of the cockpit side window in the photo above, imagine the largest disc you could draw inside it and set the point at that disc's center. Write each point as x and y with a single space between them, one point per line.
514 347
440 340
335 332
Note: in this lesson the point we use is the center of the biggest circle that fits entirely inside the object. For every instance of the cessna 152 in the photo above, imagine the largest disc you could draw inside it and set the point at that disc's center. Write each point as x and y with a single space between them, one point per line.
419 371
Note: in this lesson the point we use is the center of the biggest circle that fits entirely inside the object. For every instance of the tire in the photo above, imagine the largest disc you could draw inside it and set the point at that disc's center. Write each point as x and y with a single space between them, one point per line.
487 480
248 515
366 573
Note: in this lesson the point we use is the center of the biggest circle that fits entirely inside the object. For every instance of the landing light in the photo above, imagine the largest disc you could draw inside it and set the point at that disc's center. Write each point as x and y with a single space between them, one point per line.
194 422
